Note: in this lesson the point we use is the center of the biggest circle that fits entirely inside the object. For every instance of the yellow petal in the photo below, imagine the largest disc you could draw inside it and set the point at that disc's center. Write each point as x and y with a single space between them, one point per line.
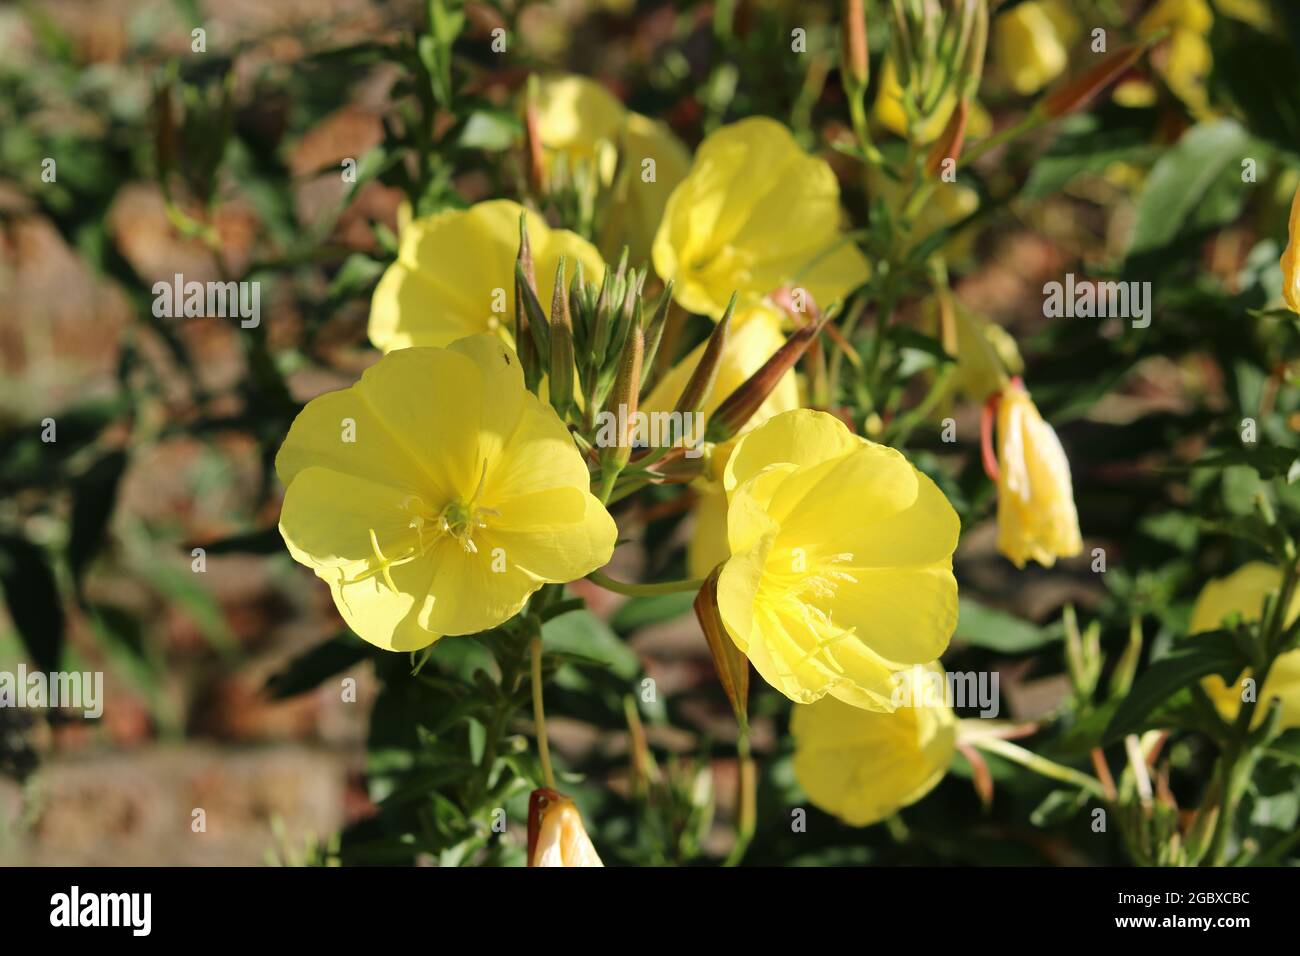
1291 257
454 274
863 766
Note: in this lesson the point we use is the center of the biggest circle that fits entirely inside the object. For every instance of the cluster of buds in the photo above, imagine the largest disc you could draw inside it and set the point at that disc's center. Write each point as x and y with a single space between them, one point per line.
938 50
595 347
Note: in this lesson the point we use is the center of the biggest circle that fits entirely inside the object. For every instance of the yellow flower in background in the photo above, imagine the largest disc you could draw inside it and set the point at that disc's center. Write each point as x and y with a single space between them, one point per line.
840 572
455 274
654 162
437 494
755 336
1242 593
891 113
754 214
1290 261
863 766
1031 43
1184 60
1037 520
581 119
556 836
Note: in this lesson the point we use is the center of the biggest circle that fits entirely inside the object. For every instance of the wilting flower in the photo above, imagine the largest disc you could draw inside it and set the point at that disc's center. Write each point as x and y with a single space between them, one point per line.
840 571
755 337
754 214
864 766
1032 42
1291 258
1242 593
437 494
556 836
1037 520
455 274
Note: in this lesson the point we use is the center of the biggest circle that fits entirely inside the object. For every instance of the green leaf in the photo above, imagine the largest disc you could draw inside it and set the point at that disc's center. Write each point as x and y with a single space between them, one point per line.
1170 674
639 612
985 627
32 596
1083 146
582 636
490 129
265 541
1194 186
94 493
1058 807
309 669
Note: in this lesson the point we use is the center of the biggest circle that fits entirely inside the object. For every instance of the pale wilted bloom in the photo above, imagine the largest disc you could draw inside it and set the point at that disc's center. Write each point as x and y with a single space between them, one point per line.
863 766
556 836
1037 520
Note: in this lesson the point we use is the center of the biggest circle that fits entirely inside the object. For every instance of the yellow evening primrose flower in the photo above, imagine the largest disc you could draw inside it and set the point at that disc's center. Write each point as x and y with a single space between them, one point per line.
863 766
654 162
754 214
556 836
436 494
1185 59
755 336
578 117
1290 261
1242 593
1032 41
1037 520
455 274
840 572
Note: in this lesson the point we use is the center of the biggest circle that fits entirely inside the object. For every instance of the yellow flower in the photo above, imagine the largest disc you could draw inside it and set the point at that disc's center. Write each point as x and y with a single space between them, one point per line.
755 336
556 836
581 119
455 274
641 193
437 494
840 571
863 766
1291 257
755 213
1037 520
1185 58
1032 42
1242 593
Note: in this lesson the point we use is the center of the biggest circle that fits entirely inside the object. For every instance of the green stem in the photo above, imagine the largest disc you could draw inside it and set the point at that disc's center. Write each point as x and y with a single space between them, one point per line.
644 590
1038 764
539 714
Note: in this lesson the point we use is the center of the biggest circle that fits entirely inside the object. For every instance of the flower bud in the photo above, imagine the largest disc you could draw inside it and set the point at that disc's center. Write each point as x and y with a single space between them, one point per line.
556 836
737 408
700 384
728 660
561 364
854 63
622 405
1079 91
949 143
